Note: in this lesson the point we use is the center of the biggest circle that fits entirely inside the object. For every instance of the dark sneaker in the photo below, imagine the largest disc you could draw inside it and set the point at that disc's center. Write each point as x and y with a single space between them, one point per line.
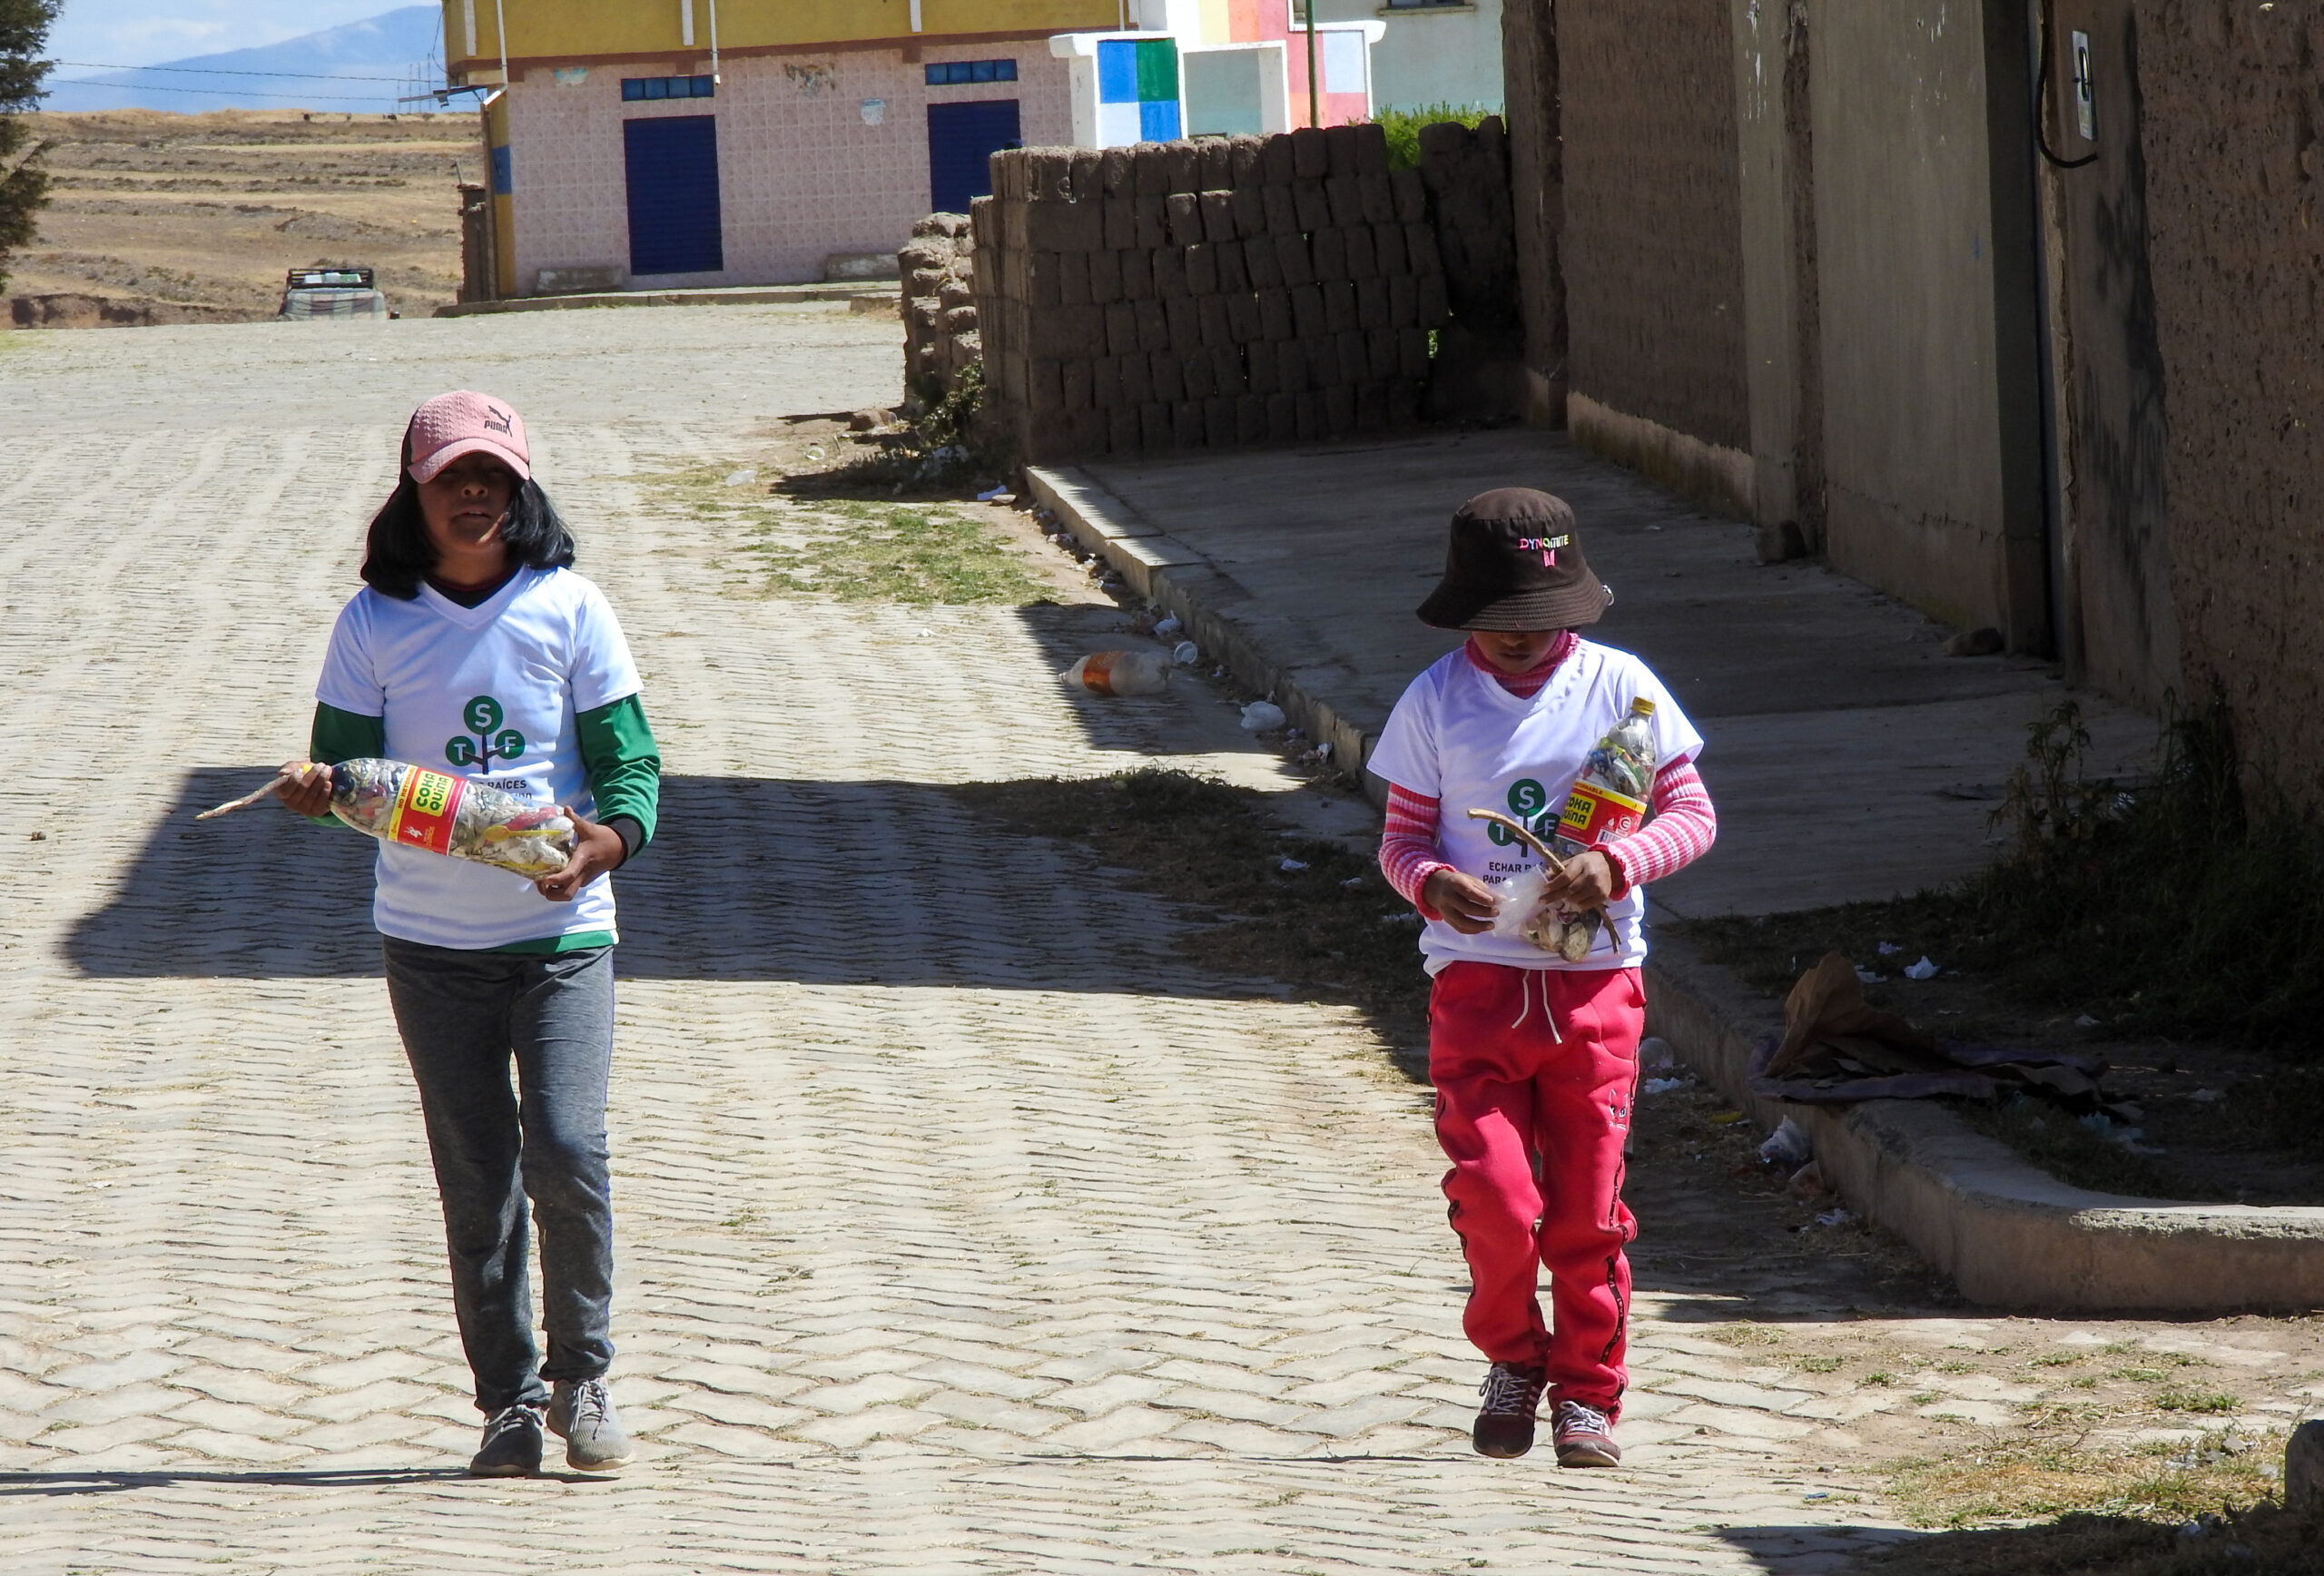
512 1444
1505 1421
581 1412
1584 1435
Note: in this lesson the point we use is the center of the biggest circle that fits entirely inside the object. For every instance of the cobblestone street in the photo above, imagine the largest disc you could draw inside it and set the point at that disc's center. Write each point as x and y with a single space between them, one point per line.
962 1226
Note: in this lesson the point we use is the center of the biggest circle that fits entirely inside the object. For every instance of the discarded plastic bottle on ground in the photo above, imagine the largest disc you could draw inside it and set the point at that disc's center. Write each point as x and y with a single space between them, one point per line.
1121 673
1608 801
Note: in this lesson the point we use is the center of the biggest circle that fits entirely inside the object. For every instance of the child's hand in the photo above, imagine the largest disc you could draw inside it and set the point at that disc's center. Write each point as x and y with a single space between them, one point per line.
1587 882
1467 904
307 790
596 850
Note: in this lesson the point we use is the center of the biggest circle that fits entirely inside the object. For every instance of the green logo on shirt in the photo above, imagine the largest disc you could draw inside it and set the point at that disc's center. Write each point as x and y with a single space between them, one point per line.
483 714
1529 801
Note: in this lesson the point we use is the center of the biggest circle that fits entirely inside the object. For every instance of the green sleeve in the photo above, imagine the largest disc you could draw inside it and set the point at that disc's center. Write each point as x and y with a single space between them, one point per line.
340 736
624 764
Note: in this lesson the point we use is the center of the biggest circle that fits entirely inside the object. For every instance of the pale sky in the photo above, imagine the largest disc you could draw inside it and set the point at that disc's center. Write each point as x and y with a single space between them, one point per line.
142 31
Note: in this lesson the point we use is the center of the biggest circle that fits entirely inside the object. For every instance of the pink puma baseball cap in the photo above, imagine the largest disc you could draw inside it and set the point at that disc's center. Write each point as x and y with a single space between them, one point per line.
466 422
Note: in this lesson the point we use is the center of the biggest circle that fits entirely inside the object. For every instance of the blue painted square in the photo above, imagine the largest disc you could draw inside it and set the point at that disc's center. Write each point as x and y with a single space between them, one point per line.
1158 121
503 181
1116 71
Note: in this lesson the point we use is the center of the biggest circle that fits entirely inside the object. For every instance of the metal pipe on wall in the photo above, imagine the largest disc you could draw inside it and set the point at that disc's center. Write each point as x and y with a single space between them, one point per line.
500 26
714 40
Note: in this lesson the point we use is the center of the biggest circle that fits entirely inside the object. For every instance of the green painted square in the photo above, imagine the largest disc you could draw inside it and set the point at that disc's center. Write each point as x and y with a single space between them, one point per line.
1158 70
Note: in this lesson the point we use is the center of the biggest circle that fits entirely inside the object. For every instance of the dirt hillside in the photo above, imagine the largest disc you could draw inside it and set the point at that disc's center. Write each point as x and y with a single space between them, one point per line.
170 218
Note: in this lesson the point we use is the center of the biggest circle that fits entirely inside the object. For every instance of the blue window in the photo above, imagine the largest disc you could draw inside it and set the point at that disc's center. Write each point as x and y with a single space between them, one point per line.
642 89
962 72
503 181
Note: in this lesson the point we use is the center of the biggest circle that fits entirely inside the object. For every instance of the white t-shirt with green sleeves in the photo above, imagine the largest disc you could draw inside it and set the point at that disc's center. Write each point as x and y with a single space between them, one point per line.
488 692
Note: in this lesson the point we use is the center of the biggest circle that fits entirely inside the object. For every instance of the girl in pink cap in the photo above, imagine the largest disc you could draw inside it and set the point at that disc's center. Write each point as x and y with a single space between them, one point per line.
475 644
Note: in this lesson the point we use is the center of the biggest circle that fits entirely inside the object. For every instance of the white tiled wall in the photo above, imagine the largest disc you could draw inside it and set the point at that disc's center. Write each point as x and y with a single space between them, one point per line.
801 174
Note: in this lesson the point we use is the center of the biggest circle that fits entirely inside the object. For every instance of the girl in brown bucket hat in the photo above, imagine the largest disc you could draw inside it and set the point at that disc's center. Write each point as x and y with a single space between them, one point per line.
1533 1053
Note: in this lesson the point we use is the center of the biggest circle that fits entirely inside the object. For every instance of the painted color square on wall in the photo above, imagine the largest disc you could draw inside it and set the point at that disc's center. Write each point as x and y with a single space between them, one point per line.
1118 71
1158 70
1158 122
1343 52
1120 125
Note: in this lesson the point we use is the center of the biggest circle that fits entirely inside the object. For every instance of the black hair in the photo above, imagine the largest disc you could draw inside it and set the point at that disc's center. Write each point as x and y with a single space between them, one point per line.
397 554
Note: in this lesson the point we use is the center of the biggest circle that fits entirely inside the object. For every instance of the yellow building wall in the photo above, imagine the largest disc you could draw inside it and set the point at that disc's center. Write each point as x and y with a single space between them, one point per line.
561 30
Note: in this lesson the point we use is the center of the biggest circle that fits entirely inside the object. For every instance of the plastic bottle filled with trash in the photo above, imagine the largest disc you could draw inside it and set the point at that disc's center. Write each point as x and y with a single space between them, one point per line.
1609 798
419 807
1121 673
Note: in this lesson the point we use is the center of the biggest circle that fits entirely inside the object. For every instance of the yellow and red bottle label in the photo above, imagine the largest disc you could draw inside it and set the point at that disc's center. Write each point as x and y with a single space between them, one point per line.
1595 816
425 806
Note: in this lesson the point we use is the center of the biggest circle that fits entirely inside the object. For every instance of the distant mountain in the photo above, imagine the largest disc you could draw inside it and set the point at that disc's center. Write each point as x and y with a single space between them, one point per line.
406 46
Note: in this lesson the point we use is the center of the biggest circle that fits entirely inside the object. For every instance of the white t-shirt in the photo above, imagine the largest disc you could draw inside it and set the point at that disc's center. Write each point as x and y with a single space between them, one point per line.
1463 740
490 693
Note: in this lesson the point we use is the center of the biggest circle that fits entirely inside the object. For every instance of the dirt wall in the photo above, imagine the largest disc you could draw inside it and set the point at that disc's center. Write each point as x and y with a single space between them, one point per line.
1528 53
1651 242
2235 166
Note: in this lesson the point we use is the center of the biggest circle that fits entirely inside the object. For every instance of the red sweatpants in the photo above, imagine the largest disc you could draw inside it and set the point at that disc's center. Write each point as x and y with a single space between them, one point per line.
1540 1063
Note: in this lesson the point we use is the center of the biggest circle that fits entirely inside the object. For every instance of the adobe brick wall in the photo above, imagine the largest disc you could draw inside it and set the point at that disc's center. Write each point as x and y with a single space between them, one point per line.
1183 295
2235 169
1652 243
938 301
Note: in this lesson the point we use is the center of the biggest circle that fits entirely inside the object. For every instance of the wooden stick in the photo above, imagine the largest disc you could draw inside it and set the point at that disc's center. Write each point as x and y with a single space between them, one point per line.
281 781
1524 834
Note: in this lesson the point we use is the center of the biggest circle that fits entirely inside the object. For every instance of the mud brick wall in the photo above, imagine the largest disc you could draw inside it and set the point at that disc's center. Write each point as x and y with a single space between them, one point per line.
1653 244
1188 296
2234 150
940 307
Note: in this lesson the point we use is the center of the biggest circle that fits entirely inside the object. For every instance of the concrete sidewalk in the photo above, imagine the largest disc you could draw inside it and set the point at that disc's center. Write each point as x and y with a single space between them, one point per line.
1849 757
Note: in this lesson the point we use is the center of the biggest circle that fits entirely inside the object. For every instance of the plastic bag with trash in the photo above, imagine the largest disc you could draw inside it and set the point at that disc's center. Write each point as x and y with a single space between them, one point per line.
1788 1145
1120 673
1263 718
419 807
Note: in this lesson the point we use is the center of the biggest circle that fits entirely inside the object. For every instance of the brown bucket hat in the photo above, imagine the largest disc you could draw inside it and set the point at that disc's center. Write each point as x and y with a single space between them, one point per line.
1515 562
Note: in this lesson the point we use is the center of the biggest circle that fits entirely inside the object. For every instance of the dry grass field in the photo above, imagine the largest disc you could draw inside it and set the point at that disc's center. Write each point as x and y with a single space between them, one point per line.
173 218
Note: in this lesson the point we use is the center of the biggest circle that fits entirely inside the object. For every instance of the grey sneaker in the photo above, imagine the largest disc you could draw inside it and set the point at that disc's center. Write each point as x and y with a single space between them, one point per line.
581 1412
1584 1435
512 1444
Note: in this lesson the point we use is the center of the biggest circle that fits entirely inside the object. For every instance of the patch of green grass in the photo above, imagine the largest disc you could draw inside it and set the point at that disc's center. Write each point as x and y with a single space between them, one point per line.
2054 1467
1819 1364
2204 1402
857 552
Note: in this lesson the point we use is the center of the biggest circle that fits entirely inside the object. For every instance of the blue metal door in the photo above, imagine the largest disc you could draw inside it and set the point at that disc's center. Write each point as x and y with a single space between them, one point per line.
960 138
671 164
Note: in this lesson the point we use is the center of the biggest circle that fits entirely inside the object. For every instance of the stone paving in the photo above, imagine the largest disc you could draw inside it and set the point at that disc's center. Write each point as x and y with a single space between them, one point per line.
960 1227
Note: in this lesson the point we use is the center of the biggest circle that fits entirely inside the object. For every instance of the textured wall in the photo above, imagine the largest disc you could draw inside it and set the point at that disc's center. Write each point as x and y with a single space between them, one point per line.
1651 240
2234 168
1192 295
1924 264
802 173
1537 199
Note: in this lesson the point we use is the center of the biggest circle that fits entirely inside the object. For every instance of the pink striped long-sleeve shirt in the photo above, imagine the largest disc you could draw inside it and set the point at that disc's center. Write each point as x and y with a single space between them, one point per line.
1681 828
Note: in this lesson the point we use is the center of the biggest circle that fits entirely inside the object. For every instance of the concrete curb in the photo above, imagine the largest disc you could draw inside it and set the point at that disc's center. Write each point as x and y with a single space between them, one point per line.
721 295
2008 1234
1168 572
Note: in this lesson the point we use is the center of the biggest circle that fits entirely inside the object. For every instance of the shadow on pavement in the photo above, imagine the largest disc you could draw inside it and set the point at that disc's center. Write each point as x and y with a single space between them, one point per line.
48 1484
887 883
